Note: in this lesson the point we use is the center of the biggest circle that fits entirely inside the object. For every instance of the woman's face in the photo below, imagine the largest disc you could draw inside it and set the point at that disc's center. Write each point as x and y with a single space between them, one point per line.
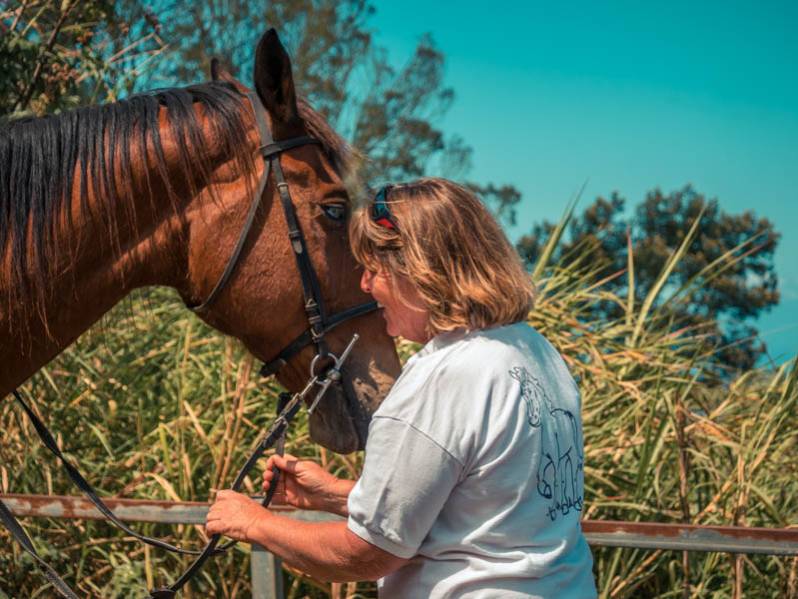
400 305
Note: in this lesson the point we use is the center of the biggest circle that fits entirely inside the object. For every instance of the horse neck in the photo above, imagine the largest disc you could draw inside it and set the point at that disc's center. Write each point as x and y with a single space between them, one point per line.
101 264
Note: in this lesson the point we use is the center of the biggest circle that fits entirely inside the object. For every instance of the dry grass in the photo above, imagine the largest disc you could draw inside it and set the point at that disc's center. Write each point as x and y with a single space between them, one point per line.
154 405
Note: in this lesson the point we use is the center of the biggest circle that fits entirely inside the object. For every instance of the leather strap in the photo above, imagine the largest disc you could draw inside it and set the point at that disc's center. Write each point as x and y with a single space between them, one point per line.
304 339
311 290
319 323
77 478
270 149
274 148
15 528
275 434
242 239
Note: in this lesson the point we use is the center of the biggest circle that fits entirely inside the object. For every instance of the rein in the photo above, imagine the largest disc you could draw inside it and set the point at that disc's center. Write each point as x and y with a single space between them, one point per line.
274 434
320 379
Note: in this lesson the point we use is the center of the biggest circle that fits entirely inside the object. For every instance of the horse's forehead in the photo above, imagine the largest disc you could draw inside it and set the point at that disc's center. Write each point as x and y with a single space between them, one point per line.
311 167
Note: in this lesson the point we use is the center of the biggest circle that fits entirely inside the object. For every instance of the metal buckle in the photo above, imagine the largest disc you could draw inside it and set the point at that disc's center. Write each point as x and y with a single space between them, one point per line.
333 374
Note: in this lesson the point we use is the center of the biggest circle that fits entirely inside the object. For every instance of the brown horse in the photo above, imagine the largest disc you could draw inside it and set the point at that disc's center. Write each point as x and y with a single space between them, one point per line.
154 190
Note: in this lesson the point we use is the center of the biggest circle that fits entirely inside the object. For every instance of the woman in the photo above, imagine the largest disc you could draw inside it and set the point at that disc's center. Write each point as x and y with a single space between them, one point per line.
473 476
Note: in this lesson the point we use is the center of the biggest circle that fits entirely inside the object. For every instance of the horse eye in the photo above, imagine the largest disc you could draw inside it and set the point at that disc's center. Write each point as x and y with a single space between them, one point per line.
336 212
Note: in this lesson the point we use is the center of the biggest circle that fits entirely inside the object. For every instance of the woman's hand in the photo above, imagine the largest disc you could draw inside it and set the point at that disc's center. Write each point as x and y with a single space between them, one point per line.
303 483
235 515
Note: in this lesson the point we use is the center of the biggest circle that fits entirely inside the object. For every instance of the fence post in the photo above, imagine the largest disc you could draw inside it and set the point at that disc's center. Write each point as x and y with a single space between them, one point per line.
267 574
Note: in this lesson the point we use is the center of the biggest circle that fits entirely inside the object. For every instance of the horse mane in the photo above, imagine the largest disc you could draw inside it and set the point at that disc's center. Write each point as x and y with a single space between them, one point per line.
43 158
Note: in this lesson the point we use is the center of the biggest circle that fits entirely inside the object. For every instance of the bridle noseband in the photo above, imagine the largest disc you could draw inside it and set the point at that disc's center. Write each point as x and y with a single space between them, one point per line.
319 324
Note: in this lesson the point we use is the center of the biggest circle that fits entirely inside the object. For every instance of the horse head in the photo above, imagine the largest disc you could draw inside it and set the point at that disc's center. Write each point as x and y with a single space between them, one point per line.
263 303
156 190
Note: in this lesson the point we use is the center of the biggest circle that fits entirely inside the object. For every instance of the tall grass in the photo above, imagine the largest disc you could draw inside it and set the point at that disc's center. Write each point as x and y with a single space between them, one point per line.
153 404
666 441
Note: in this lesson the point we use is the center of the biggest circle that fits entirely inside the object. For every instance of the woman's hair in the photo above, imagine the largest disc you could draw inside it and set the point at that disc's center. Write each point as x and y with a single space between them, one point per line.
451 249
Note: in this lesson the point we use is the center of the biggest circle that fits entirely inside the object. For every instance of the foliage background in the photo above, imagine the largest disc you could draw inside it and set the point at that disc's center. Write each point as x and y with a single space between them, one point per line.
152 404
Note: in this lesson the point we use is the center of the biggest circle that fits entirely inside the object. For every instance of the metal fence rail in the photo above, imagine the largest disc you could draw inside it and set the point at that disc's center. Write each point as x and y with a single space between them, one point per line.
266 574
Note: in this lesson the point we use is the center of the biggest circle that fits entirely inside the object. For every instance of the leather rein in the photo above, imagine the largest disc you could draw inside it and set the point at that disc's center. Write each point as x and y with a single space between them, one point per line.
328 366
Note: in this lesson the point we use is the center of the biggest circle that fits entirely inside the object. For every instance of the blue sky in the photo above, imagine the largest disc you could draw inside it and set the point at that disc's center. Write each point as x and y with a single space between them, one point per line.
628 96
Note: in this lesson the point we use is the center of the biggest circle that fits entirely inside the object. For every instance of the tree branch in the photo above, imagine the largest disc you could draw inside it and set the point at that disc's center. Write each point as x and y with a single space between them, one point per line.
26 95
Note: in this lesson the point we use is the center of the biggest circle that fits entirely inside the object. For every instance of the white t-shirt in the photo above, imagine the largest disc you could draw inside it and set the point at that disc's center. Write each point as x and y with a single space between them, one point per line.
474 470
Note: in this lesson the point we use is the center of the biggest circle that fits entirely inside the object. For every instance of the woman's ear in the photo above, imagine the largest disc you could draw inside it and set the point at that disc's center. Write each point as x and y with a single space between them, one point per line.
274 81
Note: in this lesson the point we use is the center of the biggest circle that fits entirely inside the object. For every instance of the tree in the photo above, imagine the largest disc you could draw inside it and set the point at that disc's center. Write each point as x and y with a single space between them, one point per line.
729 262
389 114
58 55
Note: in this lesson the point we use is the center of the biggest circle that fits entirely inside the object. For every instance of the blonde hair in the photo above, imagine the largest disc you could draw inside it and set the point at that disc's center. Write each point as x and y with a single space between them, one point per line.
453 252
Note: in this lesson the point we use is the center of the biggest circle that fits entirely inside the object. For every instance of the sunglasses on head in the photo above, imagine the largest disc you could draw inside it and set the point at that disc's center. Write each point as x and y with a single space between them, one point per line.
380 213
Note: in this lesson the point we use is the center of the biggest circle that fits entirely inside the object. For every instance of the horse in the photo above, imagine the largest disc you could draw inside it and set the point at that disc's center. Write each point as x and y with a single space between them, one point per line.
561 461
155 190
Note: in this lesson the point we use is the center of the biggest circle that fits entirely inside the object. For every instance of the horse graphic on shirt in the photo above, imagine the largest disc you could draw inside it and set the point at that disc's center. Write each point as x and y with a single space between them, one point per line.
561 462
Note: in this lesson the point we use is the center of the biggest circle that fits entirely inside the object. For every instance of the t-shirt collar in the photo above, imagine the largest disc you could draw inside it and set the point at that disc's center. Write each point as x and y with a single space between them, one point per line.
442 340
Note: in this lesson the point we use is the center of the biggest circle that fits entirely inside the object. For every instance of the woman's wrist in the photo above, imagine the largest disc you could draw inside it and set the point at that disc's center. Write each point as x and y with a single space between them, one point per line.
259 532
335 500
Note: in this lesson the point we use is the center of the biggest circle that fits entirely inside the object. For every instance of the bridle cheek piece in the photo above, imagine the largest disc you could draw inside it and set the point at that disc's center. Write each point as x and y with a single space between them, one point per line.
319 324
325 369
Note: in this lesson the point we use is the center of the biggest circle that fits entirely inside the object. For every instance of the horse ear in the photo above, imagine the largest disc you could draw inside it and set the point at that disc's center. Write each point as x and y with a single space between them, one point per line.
219 72
273 79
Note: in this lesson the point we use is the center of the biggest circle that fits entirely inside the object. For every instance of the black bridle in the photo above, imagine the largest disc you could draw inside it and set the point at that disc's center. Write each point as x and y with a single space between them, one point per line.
328 365
318 321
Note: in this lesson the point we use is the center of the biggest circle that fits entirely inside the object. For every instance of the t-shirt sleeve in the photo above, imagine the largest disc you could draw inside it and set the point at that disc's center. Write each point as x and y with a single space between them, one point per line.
406 480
